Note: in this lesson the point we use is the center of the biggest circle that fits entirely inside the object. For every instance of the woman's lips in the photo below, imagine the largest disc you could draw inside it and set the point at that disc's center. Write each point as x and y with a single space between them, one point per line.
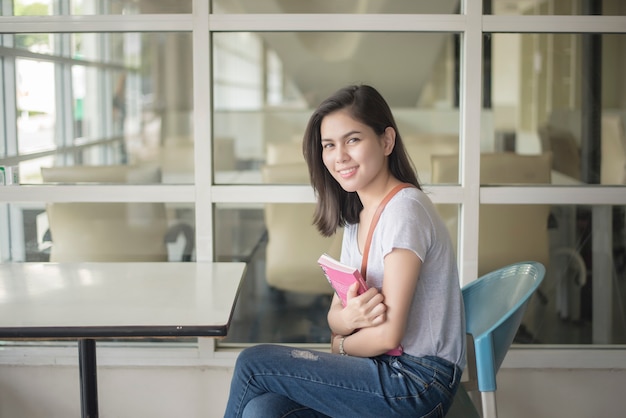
347 172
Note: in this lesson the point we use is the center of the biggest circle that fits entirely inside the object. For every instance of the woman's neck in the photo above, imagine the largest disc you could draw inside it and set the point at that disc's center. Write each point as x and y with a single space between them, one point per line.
376 192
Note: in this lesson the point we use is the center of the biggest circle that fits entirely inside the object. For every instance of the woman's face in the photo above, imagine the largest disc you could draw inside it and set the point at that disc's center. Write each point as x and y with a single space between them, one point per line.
352 152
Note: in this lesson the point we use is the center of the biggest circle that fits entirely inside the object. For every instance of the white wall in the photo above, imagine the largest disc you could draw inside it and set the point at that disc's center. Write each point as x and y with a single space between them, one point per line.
187 391
553 393
156 392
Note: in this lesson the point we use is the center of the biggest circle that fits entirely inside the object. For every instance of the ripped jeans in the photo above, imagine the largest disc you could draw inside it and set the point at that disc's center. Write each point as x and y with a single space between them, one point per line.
277 381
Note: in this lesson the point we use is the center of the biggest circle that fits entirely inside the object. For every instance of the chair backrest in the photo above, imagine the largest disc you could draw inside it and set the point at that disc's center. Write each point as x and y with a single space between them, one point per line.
113 174
422 147
109 231
294 244
494 306
286 152
564 148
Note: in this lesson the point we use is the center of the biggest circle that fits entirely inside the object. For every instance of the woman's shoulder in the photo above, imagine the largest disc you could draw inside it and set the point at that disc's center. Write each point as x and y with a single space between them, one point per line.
410 204
411 196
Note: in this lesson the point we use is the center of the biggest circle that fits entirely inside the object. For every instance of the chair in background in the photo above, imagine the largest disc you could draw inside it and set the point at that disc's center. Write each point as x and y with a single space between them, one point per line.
294 244
564 148
494 307
285 152
111 231
421 147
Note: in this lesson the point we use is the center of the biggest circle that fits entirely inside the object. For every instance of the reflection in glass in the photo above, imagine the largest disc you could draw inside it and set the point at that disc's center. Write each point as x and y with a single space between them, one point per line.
558 94
285 296
35 105
240 231
259 123
78 231
105 99
556 8
337 7
582 299
32 8
563 238
101 7
561 312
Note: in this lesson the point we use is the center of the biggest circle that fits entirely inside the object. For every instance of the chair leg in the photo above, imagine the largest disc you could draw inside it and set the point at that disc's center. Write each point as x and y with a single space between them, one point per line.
489 404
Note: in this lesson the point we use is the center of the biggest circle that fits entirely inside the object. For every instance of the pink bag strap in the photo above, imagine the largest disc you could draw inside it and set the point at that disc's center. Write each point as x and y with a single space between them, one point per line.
370 233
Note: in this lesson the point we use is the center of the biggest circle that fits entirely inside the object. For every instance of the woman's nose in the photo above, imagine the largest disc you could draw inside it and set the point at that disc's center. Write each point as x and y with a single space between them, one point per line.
342 155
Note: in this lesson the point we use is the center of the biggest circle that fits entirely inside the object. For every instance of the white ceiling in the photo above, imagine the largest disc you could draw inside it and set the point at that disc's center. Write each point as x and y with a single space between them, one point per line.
317 62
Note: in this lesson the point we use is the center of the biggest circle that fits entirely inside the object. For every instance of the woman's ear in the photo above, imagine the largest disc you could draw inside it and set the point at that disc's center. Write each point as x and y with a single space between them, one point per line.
389 140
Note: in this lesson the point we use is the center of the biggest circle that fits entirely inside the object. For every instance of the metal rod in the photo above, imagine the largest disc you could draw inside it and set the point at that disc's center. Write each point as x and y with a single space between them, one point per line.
88 378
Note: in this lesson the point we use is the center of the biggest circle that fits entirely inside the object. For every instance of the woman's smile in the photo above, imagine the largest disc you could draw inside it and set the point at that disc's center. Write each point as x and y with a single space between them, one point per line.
347 172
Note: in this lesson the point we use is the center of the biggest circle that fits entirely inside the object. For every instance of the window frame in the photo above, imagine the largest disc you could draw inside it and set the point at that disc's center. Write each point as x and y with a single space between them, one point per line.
472 24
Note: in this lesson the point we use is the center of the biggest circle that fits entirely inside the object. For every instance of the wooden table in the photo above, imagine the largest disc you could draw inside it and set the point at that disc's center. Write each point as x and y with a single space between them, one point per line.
85 301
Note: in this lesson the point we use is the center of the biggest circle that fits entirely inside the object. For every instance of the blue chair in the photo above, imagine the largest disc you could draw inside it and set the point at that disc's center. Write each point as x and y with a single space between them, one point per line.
494 307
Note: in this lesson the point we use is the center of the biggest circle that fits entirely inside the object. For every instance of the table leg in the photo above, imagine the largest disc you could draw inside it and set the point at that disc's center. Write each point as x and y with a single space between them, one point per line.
88 378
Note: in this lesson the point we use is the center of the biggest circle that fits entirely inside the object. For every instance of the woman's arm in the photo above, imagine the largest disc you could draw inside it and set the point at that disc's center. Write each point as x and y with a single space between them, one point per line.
399 283
361 311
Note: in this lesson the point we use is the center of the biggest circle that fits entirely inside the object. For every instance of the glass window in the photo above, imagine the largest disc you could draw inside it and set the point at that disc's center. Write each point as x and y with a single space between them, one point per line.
562 238
125 99
337 7
240 231
580 300
103 99
557 119
258 123
284 297
97 231
35 105
95 7
560 94
555 7
33 8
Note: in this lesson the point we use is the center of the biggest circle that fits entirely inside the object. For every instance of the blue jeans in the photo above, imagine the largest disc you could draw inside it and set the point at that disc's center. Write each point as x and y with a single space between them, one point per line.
278 381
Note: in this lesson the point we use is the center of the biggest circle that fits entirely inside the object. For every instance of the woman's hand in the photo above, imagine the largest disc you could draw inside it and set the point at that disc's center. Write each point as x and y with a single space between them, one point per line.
365 310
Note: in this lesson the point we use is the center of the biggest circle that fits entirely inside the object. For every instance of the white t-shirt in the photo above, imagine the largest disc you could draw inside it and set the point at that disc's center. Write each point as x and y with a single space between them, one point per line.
436 323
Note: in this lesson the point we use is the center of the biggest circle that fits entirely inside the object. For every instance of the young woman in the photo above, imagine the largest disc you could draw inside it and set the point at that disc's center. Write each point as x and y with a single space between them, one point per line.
356 158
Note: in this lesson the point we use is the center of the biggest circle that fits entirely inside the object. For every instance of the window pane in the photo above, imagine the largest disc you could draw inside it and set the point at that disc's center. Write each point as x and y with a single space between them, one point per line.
580 300
31 8
561 94
562 238
557 7
336 7
105 99
35 105
283 298
258 123
100 7
77 231
240 231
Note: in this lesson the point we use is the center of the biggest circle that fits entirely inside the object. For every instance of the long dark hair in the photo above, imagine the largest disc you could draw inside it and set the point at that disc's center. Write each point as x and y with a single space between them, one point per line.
336 207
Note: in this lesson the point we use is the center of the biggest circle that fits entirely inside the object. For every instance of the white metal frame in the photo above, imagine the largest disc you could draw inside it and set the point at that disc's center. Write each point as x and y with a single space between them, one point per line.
472 24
